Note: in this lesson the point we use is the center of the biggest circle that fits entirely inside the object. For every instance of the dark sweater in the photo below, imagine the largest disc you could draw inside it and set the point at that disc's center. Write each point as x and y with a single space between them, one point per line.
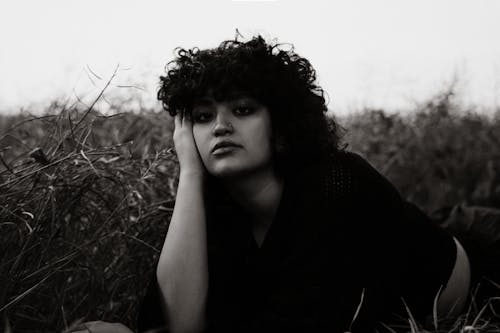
341 231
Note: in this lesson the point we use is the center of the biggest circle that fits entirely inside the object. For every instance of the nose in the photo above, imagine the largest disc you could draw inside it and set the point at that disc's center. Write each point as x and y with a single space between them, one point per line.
222 124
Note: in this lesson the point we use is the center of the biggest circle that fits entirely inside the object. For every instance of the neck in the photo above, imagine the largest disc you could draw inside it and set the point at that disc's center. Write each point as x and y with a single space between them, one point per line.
258 194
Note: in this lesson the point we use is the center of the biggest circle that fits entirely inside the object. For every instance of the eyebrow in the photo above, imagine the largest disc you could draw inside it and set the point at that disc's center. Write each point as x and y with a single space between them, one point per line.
239 94
203 102
231 97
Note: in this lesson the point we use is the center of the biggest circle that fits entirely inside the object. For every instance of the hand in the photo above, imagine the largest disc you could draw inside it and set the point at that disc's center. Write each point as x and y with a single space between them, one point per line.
99 327
185 146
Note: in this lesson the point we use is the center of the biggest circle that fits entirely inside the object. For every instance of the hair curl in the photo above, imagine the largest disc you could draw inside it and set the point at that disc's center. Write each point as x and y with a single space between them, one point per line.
278 78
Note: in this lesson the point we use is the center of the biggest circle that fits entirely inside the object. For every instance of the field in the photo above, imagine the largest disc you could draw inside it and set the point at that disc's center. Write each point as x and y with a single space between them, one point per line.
85 200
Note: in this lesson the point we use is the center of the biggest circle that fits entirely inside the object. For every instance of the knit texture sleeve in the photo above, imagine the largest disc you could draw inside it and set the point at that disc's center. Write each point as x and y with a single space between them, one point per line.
407 256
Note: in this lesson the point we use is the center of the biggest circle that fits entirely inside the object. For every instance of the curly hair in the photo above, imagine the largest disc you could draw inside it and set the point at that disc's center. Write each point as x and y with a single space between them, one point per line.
279 79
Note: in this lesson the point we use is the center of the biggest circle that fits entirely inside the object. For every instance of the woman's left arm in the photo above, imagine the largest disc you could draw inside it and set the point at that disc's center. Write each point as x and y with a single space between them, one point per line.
453 298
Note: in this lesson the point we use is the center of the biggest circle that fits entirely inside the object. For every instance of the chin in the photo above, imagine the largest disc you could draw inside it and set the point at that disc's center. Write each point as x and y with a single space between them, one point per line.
229 169
228 172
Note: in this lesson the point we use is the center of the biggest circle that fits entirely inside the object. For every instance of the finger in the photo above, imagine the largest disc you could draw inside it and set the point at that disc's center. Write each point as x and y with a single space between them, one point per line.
177 120
187 118
183 117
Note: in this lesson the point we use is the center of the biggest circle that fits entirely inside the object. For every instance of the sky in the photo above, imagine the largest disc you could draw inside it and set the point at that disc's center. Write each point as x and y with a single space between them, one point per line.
386 54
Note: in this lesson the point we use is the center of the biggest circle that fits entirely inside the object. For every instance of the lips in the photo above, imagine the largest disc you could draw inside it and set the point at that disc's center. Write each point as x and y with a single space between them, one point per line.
224 144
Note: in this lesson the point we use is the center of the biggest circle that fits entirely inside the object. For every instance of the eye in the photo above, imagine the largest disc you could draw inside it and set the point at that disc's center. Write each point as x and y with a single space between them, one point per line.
244 110
202 116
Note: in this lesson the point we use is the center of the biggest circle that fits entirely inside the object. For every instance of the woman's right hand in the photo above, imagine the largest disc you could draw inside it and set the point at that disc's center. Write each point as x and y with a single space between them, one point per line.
187 153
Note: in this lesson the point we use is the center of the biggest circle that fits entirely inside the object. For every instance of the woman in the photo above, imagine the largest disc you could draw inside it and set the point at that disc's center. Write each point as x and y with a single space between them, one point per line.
275 228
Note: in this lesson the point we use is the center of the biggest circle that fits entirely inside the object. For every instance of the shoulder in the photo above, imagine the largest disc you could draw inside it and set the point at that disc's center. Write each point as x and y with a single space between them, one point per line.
351 175
398 235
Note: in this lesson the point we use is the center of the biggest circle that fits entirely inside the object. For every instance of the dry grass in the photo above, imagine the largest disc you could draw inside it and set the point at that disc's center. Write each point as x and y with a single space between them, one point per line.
439 155
83 214
85 201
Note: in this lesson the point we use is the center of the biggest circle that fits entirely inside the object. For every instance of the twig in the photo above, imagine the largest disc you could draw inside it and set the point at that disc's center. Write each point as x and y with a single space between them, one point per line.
157 155
13 137
142 242
6 165
358 309
37 170
411 319
26 292
84 141
101 227
130 86
26 121
93 73
67 258
90 163
91 80
98 97
434 308
71 127
78 98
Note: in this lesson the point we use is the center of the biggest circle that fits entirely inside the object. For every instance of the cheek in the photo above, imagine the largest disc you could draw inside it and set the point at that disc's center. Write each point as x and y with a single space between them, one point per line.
267 135
200 141
262 141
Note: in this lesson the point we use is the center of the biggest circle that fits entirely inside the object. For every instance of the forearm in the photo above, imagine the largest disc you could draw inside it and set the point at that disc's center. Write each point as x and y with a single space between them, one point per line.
182 269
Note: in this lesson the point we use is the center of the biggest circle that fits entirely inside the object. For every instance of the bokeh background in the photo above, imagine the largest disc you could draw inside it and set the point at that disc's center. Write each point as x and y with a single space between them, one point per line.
383 54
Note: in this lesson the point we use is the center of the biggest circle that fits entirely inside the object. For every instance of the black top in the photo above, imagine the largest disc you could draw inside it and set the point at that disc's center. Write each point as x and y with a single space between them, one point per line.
341 231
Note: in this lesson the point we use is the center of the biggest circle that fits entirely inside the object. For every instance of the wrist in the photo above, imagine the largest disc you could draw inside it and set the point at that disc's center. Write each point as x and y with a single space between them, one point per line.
192 175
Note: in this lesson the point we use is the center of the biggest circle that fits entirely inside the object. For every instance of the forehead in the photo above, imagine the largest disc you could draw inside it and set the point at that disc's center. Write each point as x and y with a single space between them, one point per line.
209 98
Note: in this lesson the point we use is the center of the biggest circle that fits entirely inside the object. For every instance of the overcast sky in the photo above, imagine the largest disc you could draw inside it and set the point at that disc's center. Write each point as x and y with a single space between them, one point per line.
386 53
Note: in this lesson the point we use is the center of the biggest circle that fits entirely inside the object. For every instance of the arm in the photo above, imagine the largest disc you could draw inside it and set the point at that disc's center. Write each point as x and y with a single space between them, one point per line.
419 249
182 270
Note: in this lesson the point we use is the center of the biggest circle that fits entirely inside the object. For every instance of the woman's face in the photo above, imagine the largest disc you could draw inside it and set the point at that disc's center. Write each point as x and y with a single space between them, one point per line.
241 123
